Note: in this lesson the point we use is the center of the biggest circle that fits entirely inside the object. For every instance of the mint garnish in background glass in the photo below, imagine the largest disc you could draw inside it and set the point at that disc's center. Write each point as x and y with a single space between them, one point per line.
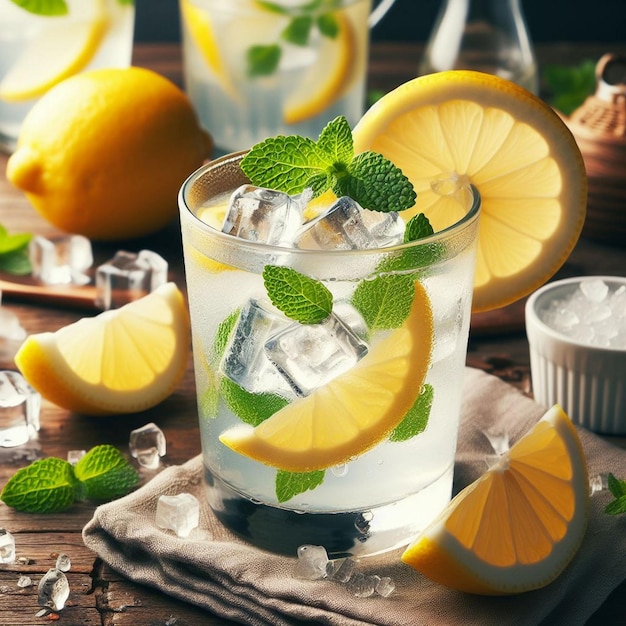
52 8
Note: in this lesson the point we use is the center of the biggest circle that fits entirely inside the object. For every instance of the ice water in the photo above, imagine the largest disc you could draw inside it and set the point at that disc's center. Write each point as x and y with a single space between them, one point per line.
296 88
378 500
93 34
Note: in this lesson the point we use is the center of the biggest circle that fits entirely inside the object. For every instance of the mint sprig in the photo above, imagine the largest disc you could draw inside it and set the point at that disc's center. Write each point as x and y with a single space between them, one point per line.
298 296
52 485
14 252
43 7
292 163
618 488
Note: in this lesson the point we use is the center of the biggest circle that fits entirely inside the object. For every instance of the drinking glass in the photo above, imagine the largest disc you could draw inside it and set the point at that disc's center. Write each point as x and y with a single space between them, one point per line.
377 500
38 50
260 69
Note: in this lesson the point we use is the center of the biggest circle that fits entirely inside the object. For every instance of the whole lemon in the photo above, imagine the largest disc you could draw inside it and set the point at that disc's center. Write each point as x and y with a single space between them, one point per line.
104 153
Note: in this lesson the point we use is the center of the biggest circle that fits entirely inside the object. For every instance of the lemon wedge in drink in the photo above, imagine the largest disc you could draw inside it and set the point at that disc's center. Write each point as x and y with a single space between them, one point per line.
518 526
329 77
121 361
353 412
451 129
60 50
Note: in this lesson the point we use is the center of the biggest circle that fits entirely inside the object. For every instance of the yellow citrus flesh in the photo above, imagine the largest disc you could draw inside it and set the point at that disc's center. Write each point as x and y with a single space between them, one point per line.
201 31
329 77
104 153
354 411
518 526
450 129
67 49
121 361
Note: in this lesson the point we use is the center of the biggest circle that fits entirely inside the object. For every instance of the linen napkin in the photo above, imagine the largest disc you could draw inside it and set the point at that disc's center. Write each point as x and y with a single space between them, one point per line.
216 570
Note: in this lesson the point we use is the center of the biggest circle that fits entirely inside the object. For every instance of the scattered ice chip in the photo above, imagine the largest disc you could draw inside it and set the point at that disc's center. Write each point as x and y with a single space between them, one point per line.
24 581
10 327
20 405
129 276
61 260
64 562
180 513
312 562
593 314
147 444
73 456
344 570
385 586
311 355
362 586
245 361
53 590
264 215
7 546
598 483
347 226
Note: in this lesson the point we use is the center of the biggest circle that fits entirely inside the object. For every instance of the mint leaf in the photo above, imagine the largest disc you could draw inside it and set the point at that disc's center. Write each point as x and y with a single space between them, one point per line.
263 60
385 301
376 184
105 473
417 228
568 87
336 143
45 486
416 419
223 332
328 25
298 296
284 163
13 243
16 263
618 489
298 30
290 484
251 408
43 7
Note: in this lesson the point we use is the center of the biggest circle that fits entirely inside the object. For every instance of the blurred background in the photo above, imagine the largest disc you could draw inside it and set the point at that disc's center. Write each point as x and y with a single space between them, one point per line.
412 20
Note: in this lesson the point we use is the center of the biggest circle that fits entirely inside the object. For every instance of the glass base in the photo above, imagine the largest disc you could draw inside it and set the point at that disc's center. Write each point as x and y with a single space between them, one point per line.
357 533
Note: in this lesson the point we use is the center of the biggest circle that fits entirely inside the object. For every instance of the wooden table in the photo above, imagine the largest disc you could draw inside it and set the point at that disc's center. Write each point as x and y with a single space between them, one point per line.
99 596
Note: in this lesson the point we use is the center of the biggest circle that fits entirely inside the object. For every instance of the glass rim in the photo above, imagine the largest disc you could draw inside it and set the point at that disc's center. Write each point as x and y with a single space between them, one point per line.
470 216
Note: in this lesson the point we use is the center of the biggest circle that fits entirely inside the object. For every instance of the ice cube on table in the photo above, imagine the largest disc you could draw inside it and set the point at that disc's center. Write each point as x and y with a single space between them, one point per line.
53 590
311 355
179 513
73 456
10 327
7 546
64 563
129 276
61 260
244 360
344 570
20 406
312 562
263 215
347 226
147 444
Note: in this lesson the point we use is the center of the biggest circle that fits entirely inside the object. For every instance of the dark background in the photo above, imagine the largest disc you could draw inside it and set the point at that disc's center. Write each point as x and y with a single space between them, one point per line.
412 20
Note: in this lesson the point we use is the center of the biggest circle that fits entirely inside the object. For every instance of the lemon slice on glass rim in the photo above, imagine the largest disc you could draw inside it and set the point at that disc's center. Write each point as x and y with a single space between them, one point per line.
451 129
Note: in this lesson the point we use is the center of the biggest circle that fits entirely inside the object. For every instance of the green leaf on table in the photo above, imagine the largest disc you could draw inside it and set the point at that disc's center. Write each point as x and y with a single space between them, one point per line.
416 419
43 7
569 86
385 301
45 486
263 60
14 252
290 484
105 473
299 297
618 488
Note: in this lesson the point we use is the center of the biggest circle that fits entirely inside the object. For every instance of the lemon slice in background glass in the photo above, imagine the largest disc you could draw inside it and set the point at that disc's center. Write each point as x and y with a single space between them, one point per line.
63 47
451 129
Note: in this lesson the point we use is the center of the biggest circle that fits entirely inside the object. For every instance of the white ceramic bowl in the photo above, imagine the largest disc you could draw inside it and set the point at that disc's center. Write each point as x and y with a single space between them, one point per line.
588 381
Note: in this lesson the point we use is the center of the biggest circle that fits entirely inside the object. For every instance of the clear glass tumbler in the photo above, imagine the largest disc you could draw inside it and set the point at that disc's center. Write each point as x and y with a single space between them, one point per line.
376 492
255 70
40 47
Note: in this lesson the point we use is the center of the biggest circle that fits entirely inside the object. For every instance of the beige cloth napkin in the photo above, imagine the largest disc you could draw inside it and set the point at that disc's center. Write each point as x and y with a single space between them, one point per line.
215 570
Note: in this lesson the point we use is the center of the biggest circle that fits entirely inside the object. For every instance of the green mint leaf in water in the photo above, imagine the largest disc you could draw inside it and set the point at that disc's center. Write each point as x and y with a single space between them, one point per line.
328 25
298 30
45 486
385 301
417 228
43 7
376 184
251 408
416 419
299 297
263 60
290 484
104 473
284 163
